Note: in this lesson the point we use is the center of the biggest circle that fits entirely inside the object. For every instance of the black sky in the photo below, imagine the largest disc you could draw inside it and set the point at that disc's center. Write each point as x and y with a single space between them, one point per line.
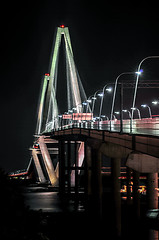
108 38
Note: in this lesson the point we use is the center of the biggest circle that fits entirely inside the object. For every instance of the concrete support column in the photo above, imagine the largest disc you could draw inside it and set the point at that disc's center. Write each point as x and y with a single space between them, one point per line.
129 185
88 173
69 166
152 193
116 195
76 171
39 170
136 194
47 161
96 182
61 167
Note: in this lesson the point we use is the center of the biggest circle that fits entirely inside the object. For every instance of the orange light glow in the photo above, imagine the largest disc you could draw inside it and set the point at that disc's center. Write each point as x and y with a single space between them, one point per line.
62 26
36 146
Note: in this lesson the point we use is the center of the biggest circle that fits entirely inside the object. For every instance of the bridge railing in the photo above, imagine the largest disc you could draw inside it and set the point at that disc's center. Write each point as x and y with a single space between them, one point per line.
145 126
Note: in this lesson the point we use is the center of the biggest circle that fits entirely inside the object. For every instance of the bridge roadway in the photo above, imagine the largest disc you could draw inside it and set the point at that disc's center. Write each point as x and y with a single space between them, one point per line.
145 143
145 126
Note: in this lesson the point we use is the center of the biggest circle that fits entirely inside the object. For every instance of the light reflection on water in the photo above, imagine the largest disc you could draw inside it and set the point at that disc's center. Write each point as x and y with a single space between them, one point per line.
49 202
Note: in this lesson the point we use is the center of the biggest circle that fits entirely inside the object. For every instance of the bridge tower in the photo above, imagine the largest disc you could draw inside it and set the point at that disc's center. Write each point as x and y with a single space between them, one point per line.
48 111
48 108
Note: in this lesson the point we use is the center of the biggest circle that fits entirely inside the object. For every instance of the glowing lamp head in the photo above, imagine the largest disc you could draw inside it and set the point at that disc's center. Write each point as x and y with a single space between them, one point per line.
100 94
94 98
62 26
47 74
144 105
109 89
155 102
139 72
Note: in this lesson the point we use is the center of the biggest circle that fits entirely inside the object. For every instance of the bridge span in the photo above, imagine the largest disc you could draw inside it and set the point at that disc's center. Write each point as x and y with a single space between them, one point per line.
72 148
141 159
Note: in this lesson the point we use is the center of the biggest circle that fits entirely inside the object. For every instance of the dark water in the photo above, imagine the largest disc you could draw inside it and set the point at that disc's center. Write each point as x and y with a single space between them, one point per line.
48 201
71 218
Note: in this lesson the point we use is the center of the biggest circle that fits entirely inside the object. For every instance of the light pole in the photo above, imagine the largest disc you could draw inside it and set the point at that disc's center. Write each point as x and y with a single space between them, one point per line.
84 104
117 113
155 103
114 95
60 120
144 106
129 113
104 116
94 98
125 110
137 80
88 105
102 97
139 115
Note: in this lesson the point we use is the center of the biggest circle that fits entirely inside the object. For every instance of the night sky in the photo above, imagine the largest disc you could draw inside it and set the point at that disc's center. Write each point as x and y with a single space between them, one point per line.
107 39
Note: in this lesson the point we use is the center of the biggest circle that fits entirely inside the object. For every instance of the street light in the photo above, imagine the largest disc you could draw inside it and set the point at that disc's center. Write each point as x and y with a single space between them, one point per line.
125 110
114 95
89 100
137 79
102 97
155 102
144 106
104 116
117 112
94 98
139 115
84 104
60 120
136 85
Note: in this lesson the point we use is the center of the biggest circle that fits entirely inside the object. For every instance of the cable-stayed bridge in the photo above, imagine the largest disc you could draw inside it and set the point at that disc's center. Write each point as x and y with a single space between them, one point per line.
69 146
48 109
